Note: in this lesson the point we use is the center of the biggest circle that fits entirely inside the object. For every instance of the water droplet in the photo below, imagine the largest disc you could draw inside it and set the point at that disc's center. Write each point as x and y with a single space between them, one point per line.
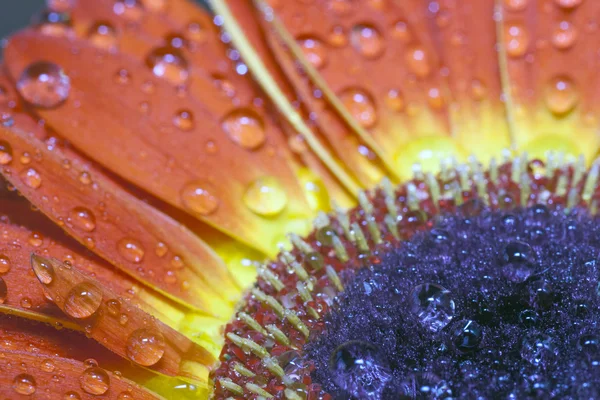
432 305
43 270
265 196
517 257
401 31
3 291
340 7
395 100
26 302
337 37
478 90
83 300
197 196
113 306
103 35
184 120
360 105
83 219
4 264
6 154
529 318
47 365
122 76
516 5
435 98
314 50
54 23
130 10
169 63
538 349
360 369
245 128
70 395
161 249
540 294
564 36
561 95
24 384
31 178
516 39
568 4
131 250
85 178
315 261
94 381
60 5
467 336
367 40
589 346
44 84
35 239
196 32
417 60
145 346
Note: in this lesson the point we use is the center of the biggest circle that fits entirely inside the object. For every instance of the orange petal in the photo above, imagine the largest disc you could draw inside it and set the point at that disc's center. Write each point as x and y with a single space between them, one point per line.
125 231
549 52
119 325
41 376
181 152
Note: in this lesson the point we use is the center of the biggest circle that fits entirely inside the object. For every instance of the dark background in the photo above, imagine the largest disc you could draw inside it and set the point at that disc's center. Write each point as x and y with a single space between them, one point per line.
15 14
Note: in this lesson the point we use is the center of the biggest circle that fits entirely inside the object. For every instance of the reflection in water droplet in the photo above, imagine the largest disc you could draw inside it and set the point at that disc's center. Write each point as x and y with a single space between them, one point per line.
516 39
169 63
31 178
417 60
131 250
130 10
360 105
367 40
145 346
3 291
265 196
94 381
103 35
43 270
184 120
433 306
83 219
245 127
44 84
24 384
314 50
6 153
198 197
561 95
47 365
83 300
4 264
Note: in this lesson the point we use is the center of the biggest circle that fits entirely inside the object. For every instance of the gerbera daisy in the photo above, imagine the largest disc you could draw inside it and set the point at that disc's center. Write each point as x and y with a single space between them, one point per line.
308 199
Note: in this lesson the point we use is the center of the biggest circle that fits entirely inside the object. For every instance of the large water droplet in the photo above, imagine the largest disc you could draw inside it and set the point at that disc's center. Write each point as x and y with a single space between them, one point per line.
4 264
265 196
184 120
360 369
131 250
539 349
31 178
94 381
564 36
103 35
518 257
24 384
169 63
43 270
83 218
467 336
432 305
54 23
245 128
3 291
516 39
83 300
360 105
6 153
561 95
198 197
314 50
44 84
367 40
146 346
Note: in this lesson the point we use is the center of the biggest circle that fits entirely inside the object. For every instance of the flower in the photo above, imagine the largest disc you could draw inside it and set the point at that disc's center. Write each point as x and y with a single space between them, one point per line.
156 157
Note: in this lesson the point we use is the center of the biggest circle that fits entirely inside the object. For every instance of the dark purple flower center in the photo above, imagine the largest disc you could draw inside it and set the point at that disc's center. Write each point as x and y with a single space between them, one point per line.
501 305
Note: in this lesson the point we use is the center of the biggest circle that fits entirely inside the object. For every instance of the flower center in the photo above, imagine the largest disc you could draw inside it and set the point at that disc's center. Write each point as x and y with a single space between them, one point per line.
499 305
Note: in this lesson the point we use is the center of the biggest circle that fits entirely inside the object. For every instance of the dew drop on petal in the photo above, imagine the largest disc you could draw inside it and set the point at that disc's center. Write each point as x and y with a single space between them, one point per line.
131 10
432 305
184 120
85 178
360 105
83 300
6 153
418 62
94 381
31 178
516 5
245 128
131 250
146 346
467 336
564 35
539 349
44 84
70 395
43 270
197 197
83 218
265 196
169 63
103 35
24 384
395 100
54 23
314 50
561 95
367 40
47 365
4 264
3 291
568 4
518 257
516 39
337 37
